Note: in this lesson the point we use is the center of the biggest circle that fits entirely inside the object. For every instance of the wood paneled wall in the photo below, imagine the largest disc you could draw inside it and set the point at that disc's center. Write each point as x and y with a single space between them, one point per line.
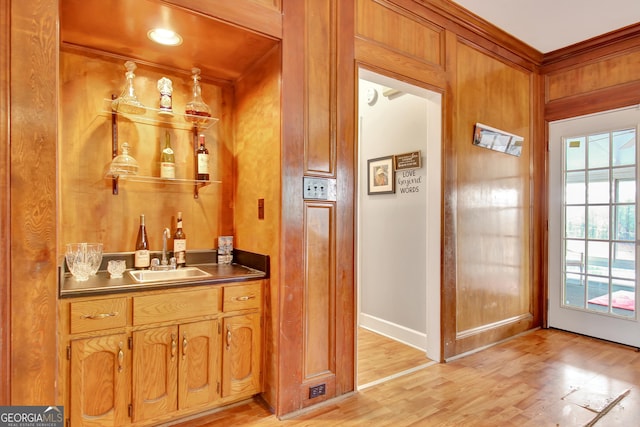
490 267
33 135
88 211
598 75
489 255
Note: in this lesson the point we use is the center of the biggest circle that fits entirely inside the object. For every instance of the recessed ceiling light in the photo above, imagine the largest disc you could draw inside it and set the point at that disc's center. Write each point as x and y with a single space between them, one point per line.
166 37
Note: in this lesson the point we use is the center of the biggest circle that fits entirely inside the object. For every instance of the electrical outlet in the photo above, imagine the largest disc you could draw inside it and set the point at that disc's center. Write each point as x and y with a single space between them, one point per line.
317 390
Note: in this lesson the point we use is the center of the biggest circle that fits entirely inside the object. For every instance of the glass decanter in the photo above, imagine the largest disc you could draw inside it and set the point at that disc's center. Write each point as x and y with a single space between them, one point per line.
128 102
197 112
123 164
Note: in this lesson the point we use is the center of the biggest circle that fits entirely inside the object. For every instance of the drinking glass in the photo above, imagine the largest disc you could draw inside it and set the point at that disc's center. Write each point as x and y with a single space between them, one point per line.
83 259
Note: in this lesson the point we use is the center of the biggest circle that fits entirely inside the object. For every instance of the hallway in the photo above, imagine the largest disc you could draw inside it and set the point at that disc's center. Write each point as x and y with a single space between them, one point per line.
543 378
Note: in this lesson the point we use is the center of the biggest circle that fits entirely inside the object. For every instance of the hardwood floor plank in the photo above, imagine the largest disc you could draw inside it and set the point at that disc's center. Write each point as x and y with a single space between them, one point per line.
380 357
524 381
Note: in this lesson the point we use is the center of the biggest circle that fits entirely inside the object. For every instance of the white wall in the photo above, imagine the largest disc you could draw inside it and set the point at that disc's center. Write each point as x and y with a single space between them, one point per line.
399 234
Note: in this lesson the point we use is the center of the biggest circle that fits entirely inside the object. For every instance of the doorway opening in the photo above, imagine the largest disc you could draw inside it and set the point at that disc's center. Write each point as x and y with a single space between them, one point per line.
398 224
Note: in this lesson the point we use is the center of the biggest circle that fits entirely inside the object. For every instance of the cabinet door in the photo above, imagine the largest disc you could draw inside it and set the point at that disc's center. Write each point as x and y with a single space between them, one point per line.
155 358
199 367
100 381
241 355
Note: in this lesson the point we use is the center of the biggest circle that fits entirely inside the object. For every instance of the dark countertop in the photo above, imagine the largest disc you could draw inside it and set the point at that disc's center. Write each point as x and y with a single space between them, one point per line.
246 266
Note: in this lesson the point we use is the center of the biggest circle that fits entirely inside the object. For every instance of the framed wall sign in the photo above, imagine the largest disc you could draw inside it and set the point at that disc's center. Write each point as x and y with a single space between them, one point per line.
406 161
497 140
380 175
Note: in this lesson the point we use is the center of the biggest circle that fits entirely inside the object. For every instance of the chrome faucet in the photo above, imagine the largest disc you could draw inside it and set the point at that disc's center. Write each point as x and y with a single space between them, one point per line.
165 236
164 264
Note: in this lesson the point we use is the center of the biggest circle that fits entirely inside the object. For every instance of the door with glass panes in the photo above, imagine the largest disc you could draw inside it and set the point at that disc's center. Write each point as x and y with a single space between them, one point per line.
593 202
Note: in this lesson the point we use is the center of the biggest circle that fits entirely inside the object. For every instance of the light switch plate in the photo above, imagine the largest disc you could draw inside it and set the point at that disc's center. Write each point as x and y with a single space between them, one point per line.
318 188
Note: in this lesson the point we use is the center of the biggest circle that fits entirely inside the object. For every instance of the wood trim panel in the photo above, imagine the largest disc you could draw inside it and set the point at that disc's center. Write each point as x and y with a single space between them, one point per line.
539 194
345 306
607 44
254 15
449 259
382 58
290 310
319 304
33 267
320 84
602 100
419 39
593 76
5 202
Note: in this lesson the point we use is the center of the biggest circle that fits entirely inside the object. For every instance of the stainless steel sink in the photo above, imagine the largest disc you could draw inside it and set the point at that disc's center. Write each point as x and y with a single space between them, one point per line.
146 276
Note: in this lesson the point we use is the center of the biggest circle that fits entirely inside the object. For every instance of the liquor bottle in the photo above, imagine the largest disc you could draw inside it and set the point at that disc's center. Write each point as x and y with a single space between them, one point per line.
180 243
203 160
167 159
142 258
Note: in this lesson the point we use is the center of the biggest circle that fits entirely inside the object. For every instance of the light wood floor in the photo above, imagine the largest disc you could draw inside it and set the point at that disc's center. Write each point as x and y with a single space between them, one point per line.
543 378
380 357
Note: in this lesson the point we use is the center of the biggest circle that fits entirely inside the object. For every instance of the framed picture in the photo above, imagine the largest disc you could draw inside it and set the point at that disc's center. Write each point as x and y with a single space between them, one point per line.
380 175
497 140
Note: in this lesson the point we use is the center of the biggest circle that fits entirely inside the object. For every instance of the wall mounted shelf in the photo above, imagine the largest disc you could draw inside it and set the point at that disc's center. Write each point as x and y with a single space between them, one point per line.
155 117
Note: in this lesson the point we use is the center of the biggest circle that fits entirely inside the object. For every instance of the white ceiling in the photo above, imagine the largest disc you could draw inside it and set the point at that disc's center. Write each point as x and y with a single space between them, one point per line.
547 25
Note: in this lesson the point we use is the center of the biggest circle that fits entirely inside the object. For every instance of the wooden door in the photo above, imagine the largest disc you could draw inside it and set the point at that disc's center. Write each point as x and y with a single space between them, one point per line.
241 355
155 359
199 366
100 381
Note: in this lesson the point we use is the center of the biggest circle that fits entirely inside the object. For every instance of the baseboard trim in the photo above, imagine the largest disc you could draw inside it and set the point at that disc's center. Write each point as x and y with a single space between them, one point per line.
394 331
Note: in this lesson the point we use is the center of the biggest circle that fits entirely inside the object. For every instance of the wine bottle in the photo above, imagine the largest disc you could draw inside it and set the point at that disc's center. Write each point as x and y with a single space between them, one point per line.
142 258
167 159
180 243
203 160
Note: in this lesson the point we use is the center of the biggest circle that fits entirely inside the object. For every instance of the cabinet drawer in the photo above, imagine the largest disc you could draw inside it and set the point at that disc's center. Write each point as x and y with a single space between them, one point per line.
175 306
97 315
242 297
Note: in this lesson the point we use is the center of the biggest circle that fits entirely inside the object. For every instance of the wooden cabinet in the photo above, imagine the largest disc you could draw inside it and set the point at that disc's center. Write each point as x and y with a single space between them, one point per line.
199 367
100 381
242 341
175 367
241 355
155 372
149 357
